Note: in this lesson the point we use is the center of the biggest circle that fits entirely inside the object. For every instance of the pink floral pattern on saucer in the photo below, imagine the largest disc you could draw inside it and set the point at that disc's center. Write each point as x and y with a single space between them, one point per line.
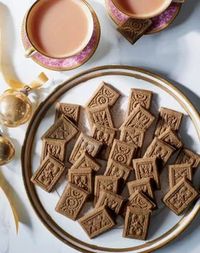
159 22
70 62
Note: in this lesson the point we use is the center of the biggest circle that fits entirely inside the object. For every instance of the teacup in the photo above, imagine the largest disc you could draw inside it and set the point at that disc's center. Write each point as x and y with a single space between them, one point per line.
59 28
142 9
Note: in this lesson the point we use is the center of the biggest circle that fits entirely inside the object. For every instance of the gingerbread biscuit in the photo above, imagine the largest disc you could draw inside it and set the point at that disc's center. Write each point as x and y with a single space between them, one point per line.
71 111
117 170
147 168
48 174
85 161
105 95
54 148
179 171
181 196
100 115
144 185
105 135
136 223
139 97
160 150
108 183
111 200
132 136
168 118
97 222
138 199
63 130
87 144
71 201
171 138
133 29
188 156
82 178
122 152
140 118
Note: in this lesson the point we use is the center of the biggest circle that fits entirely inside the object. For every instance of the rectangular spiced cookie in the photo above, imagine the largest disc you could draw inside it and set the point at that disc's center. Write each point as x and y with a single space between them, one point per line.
108 183
139 97
82 178
181 196
144 185
147 168
54 148
179 171
160 150
87 144
188 156
111 200
105 95
122 152
48 174
168 118
85 161
100 115
140 118
71 202
105 135
63 130
117 170
133 29
133 136
97 222
171 138
71 111
136 223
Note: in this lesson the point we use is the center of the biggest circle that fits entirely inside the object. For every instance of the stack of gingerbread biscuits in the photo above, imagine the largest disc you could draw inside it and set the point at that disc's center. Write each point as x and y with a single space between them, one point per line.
126 185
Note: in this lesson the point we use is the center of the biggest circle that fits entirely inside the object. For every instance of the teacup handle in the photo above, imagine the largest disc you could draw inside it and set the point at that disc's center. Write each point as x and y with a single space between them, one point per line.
29 52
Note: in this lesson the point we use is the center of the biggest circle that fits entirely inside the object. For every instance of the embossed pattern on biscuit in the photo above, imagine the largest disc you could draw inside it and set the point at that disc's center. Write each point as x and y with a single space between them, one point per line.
147 168
87 144
139 97
48 174
168 119
105 95
71 201
71 111
104 134
133 136
136 223
180 197
63 129
179 171
171 138
188 156
133 29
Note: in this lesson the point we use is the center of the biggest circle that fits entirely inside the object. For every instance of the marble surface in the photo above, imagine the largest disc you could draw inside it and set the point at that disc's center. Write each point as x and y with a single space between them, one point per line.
174 53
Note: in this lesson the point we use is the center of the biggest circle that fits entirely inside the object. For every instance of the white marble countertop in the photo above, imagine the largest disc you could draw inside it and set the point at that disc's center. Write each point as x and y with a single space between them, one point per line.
174 53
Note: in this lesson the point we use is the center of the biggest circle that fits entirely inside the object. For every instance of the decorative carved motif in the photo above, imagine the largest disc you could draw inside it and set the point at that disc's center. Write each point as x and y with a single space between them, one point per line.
63 129
139 97
189 157
140 118
122 152
159 150
132 136
168 119
54 148
104 134
117 170
179 171
84 144
180 196
97 222
105 95
143 185
71 201
48 173
133 29
71 111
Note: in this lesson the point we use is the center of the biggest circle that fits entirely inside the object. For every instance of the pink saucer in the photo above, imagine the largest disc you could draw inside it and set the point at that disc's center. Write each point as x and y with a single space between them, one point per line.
159 22
70 62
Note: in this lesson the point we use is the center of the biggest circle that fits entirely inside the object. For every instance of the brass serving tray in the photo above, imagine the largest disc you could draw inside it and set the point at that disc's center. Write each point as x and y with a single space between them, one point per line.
48 219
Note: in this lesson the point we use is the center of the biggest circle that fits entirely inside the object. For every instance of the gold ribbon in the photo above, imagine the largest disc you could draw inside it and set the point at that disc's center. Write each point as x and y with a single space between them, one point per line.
5 189
15 85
